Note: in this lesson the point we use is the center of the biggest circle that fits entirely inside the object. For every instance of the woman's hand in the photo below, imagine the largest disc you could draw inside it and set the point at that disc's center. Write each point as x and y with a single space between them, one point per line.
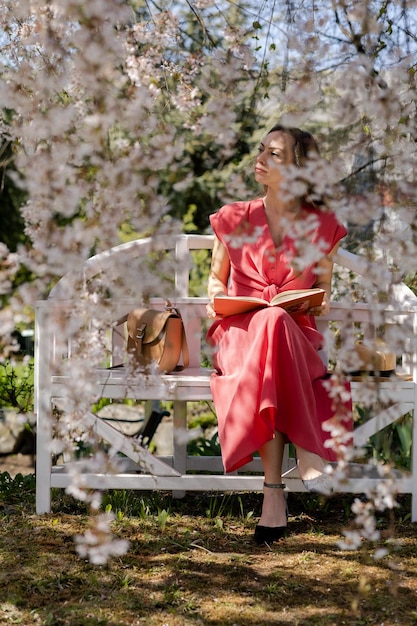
323 309
211 313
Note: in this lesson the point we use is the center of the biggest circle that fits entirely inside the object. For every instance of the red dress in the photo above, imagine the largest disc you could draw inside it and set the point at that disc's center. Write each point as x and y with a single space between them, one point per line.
269 373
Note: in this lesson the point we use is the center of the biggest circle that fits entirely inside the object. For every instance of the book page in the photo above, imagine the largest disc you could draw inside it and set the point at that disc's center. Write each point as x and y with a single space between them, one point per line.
314 297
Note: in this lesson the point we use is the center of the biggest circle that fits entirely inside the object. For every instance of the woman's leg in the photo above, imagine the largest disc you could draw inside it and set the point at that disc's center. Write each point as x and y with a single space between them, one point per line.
312 472
310 465
274 508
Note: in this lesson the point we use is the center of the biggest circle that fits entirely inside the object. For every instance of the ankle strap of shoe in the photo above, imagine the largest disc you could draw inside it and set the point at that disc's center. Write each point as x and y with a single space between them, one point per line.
275 485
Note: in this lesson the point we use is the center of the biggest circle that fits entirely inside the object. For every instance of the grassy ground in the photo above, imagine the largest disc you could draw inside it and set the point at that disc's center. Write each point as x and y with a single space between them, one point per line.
193 561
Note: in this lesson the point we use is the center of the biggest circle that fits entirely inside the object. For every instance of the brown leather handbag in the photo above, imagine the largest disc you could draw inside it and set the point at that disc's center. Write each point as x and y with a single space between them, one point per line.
374 359
157 337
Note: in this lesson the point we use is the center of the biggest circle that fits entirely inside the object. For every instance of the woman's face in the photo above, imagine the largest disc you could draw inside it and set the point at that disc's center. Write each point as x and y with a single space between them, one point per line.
274 153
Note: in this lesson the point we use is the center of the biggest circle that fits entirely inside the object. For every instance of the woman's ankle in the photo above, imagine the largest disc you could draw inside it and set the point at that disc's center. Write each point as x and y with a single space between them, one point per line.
274 508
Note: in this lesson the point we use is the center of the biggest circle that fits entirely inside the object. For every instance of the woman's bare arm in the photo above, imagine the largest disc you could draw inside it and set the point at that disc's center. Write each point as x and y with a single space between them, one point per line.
324 281
219 274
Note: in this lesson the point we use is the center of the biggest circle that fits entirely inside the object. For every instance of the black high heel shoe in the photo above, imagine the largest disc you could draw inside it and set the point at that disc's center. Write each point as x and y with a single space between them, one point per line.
269 534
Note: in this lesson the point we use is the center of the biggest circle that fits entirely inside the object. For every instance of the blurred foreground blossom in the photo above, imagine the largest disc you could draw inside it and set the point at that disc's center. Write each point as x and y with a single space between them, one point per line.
98 543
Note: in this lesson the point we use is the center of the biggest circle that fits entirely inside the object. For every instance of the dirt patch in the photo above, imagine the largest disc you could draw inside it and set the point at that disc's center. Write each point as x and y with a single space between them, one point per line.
17 464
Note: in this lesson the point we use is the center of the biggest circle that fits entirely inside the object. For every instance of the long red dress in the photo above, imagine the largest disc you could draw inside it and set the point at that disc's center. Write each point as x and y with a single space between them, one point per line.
269 375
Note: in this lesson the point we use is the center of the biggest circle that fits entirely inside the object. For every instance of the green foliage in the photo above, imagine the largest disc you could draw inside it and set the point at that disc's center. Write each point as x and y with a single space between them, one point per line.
219 506
163 516
16 386
125 503
411 281
393 444
188 219
12 198
206 175
204 447
199 272
107 401
204 421
20 489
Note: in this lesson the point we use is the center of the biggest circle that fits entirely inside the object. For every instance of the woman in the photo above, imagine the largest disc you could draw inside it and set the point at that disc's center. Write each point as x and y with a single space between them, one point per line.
268 387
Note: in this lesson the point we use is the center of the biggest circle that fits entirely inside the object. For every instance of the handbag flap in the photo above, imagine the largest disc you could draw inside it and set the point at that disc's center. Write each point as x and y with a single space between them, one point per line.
148 323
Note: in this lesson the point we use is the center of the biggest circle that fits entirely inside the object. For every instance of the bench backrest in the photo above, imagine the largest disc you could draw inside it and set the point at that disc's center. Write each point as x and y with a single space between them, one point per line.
356 318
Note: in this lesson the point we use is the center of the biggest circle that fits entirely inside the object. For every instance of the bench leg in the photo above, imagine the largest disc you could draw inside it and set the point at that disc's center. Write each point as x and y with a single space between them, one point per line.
414 461
43 460
43 409
180 441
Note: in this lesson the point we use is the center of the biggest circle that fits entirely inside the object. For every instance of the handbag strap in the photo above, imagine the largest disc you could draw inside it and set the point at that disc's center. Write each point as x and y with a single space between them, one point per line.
140 333
184 350
184 344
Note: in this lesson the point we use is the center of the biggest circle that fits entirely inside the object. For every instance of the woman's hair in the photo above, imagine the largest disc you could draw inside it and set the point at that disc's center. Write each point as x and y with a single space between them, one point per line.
304 143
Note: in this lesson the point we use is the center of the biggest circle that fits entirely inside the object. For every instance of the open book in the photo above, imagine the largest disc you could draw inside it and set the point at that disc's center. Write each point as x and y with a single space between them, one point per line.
296 300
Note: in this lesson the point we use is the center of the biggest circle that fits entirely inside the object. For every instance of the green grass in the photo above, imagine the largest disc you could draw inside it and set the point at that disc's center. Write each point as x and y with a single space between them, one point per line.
192 561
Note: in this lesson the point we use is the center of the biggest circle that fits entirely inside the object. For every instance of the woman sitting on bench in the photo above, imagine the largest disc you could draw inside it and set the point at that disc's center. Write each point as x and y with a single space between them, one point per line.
269 386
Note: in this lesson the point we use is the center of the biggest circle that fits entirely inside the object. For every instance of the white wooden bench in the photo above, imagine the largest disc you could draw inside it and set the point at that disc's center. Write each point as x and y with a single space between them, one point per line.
178 472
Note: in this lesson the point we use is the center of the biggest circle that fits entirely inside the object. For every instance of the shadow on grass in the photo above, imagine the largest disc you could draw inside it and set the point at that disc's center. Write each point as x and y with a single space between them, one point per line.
197 564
